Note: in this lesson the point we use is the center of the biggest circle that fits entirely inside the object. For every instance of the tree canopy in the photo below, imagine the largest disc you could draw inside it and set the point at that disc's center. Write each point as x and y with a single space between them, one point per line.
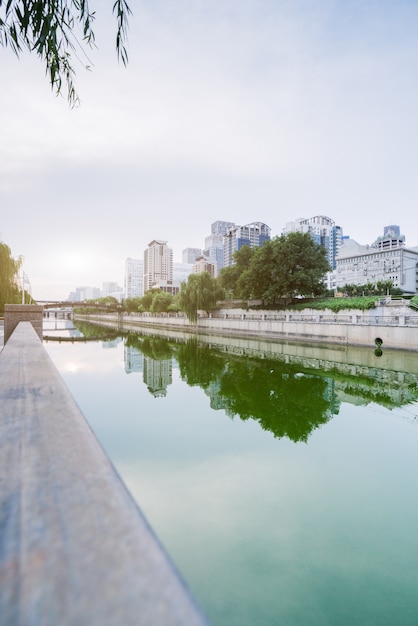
56 32
285 267
232 278
201 292
9 268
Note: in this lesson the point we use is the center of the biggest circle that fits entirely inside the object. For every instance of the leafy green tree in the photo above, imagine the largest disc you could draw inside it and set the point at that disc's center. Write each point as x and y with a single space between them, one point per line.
230 277
161 302
132 305
286 267
147 298
201 292
56 31
9 268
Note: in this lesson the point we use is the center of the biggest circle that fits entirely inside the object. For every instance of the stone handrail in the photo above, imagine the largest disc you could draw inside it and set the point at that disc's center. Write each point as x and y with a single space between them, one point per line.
74 547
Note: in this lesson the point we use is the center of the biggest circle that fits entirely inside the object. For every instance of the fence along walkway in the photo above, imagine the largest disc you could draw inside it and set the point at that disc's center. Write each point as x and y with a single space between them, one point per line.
75 549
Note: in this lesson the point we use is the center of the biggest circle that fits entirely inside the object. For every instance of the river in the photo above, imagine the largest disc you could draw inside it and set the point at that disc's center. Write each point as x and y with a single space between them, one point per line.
285 493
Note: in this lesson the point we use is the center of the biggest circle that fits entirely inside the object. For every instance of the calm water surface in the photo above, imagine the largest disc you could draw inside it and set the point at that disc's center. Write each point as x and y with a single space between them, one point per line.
284 495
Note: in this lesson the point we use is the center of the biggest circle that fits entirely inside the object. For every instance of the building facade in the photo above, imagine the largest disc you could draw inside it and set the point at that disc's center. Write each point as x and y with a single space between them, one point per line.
203 265
361 265
189 255
214 244
134 278
323 231
158 266
253 235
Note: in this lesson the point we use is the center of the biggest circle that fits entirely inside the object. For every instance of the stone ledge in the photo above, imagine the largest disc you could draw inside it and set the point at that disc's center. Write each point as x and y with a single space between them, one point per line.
15 313
74 549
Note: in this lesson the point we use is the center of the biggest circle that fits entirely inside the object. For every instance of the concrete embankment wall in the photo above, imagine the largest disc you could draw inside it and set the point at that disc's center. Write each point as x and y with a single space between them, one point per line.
75 549
356 329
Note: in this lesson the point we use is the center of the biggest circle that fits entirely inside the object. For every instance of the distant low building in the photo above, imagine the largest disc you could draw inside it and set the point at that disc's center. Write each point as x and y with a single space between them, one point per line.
361 265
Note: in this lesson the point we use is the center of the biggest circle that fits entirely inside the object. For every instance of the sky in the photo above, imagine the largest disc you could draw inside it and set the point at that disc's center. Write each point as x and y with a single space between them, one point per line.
249 110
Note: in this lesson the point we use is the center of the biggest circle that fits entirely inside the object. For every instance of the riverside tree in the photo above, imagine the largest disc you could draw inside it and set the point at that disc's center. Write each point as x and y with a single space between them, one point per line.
283 268
201 292
232 278
9 268
58 31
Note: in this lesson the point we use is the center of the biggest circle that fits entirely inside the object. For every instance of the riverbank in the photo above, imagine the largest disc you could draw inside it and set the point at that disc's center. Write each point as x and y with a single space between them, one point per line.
390 327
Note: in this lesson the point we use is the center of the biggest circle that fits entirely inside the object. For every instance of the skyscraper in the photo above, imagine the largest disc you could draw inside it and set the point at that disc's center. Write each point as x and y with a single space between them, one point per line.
253 235
214 243
134 278
323 231
191 254
158 266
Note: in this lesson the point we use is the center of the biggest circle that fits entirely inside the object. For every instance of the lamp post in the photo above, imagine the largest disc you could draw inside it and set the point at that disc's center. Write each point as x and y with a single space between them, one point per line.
22 258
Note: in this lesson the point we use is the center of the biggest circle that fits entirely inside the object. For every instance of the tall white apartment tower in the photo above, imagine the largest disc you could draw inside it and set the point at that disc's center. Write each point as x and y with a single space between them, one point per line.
134 278
158 265
323 231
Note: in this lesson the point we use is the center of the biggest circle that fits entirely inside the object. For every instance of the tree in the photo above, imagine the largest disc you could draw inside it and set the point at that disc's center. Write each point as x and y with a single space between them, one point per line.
201 292
53 30
9 268
285 267
230 276
161 302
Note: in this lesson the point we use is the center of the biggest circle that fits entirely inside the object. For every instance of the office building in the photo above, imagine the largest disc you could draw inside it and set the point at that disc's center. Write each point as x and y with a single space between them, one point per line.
134 278
362 265
323 231
158 266
203 265
190 255
253 235
181 272
214 244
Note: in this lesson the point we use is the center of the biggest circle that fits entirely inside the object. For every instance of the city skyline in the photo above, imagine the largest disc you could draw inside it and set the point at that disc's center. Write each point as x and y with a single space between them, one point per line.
225 112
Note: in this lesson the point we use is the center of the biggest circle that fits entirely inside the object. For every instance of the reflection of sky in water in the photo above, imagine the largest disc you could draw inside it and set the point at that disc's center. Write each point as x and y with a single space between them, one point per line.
265 531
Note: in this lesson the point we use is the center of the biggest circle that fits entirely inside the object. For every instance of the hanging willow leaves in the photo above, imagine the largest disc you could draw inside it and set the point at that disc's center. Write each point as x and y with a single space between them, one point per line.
52 30
9 268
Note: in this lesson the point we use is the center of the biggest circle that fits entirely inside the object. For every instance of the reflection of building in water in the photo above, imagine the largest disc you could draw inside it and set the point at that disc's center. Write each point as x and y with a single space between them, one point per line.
112 343
133 360
157 376
217 402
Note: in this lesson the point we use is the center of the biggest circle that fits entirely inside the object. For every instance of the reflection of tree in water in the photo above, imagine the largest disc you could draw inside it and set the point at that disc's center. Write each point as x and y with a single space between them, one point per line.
199 365
282 400
157 348
93 330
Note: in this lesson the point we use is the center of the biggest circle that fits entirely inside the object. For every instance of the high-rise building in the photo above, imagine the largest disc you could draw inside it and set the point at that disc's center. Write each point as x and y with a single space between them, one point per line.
134 278
253 235
190 255
214 243
323 231
86 293
111 289
181 272
157 375
158 266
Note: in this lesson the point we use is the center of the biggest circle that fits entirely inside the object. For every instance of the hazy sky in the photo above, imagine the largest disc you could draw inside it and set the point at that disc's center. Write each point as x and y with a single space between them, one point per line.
249 110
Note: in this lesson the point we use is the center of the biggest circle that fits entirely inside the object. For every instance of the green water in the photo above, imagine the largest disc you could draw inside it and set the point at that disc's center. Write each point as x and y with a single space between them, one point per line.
285 494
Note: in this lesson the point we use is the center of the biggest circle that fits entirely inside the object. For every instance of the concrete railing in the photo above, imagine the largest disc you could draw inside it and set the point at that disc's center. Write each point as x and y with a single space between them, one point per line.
74 547
398 331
